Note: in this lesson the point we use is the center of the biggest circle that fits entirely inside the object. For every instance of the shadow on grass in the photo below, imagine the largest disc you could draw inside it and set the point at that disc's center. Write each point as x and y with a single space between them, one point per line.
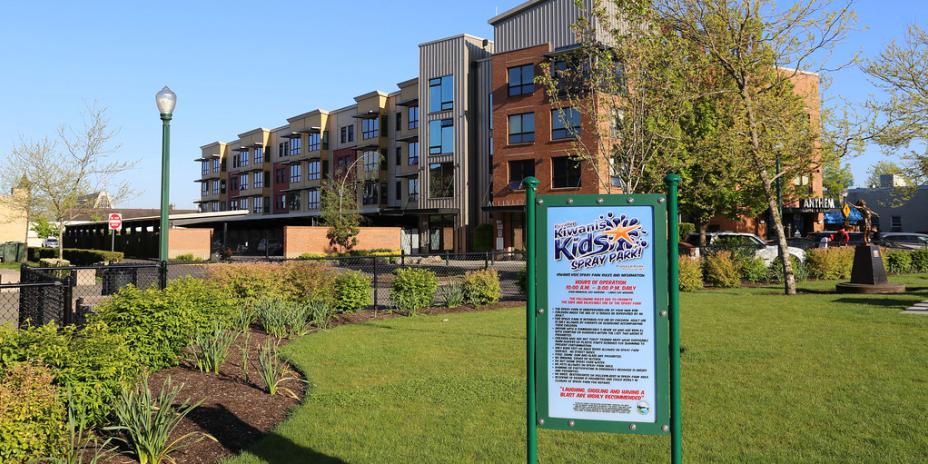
235 435
442 332
879 301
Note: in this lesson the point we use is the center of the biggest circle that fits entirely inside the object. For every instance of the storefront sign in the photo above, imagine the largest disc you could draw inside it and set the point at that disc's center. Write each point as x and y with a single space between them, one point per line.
818 204
602 361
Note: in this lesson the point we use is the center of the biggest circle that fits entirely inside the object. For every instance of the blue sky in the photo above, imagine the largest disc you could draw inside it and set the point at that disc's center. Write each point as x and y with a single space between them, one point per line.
238 65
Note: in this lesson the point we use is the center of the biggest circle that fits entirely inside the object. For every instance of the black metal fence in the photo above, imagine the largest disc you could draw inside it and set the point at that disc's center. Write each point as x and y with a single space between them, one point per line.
65 294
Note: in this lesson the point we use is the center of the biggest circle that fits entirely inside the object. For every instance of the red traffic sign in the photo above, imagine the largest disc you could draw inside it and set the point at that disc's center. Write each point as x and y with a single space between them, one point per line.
115 221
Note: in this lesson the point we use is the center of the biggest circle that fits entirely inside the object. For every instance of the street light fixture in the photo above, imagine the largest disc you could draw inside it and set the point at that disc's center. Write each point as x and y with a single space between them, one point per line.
165 99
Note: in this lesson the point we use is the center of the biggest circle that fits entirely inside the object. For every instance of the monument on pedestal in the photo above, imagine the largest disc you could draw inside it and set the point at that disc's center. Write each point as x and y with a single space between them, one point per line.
868 274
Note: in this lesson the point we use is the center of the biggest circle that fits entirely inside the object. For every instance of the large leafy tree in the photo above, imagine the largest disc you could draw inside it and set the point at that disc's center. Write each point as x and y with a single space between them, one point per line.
836 178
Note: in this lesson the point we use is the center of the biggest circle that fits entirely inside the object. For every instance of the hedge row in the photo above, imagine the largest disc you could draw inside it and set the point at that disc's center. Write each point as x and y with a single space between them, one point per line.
76 256
727 269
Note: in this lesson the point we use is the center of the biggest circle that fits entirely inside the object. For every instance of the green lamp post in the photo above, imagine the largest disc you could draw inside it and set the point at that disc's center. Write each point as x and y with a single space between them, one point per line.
165 99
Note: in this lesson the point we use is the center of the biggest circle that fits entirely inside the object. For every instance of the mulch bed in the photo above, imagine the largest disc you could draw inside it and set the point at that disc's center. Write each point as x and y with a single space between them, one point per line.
238 413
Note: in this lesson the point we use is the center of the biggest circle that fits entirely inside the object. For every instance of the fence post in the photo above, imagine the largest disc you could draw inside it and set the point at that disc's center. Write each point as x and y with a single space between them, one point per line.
78 308
376 291
447 259
486 261
67 294
402 257
163 274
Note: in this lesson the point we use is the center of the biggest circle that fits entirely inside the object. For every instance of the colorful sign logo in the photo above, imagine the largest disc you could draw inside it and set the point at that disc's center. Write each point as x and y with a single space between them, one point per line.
609 239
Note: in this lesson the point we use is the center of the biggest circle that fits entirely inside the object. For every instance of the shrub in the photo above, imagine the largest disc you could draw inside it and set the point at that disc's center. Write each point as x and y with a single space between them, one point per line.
413 289
753 270
522 281
829 263
482 287
90 366
775 271
920 260
282 318
314 255
309 281
77 256
352 291
690 274
187 258
898 261
209 350
147 422
273 370
321 314
157 324
452 294
685 229
295 281
31 414
721 270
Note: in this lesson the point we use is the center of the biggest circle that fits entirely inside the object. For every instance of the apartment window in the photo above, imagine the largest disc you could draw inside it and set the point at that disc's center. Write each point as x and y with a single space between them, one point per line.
215 187
398 159
233 205
441 94
521 128
283 149
565 123
522 80
351 133
398 191
412 155
216 207
519 170
243 156
370 128
441 137
243 182
244 203
204 188
259 155
295 145
280 175
371 191
259 179
347 134
895 223
293 201
343 134
371 161
258 205
216 165
399 122
441 180
413 189
204 167
236 160
296 174
313 141
413 117
312 199
325 169
312 170
565 172
281 202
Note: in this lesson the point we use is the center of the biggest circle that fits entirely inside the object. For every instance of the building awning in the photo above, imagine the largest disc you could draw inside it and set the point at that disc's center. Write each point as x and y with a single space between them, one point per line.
368 115
835 217
208 157
407 174
409 138
367 147
409 102
292 135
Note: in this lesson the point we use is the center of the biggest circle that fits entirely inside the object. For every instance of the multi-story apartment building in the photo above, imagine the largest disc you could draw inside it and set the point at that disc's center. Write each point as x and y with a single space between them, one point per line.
438 156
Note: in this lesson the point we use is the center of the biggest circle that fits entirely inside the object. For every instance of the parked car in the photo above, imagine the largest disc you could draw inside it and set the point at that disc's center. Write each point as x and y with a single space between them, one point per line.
736 240
904 240
50 242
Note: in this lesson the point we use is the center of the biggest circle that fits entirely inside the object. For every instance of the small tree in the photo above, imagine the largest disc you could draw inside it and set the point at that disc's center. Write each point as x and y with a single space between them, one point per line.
43 228
836 178
340 207
60 173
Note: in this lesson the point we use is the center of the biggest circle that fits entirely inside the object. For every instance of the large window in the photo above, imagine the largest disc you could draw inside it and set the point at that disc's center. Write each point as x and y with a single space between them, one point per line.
413 189
258 205
521 128
371 161
413 117
565 172
441 137
283 149
259 155
215 165
296 173
370 128
243 157
312 199
280 175
243 182
295 145
441 94
258 179
351 133
204 167
371 192
565 123
215 187
293 201
281 202
343 134
312 170
313 141
412 157
347 133
519 170
522 80
441 180
204 188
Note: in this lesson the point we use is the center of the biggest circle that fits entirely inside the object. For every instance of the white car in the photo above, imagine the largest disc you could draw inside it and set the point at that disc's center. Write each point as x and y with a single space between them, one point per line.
766 252
50 242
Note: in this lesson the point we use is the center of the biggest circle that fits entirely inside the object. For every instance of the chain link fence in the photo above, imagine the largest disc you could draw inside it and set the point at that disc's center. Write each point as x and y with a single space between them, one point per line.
64 294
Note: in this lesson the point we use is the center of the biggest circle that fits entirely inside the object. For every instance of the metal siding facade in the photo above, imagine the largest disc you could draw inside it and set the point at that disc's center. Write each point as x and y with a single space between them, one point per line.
483 178
546 22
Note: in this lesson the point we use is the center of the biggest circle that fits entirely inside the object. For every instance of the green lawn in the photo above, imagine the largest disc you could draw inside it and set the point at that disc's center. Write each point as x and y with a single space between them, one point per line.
816 378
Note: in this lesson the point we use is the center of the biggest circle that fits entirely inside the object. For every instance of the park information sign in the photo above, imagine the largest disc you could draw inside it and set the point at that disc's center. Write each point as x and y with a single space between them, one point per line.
602 328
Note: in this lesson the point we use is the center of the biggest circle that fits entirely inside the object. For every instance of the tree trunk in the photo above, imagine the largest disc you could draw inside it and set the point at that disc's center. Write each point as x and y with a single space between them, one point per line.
60 241
703 230
789 280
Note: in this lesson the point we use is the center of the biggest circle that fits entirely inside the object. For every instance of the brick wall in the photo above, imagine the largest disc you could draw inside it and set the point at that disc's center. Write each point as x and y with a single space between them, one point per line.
307 239
189 241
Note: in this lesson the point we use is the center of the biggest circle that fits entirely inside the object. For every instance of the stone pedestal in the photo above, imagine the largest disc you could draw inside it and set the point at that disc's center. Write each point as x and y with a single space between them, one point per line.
869 274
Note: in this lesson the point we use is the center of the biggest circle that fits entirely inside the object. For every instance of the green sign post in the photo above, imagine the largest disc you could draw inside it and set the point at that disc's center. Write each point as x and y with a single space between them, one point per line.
603 306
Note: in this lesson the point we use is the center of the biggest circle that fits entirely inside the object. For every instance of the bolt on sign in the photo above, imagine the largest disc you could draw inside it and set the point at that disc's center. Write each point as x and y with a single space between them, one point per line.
604 314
